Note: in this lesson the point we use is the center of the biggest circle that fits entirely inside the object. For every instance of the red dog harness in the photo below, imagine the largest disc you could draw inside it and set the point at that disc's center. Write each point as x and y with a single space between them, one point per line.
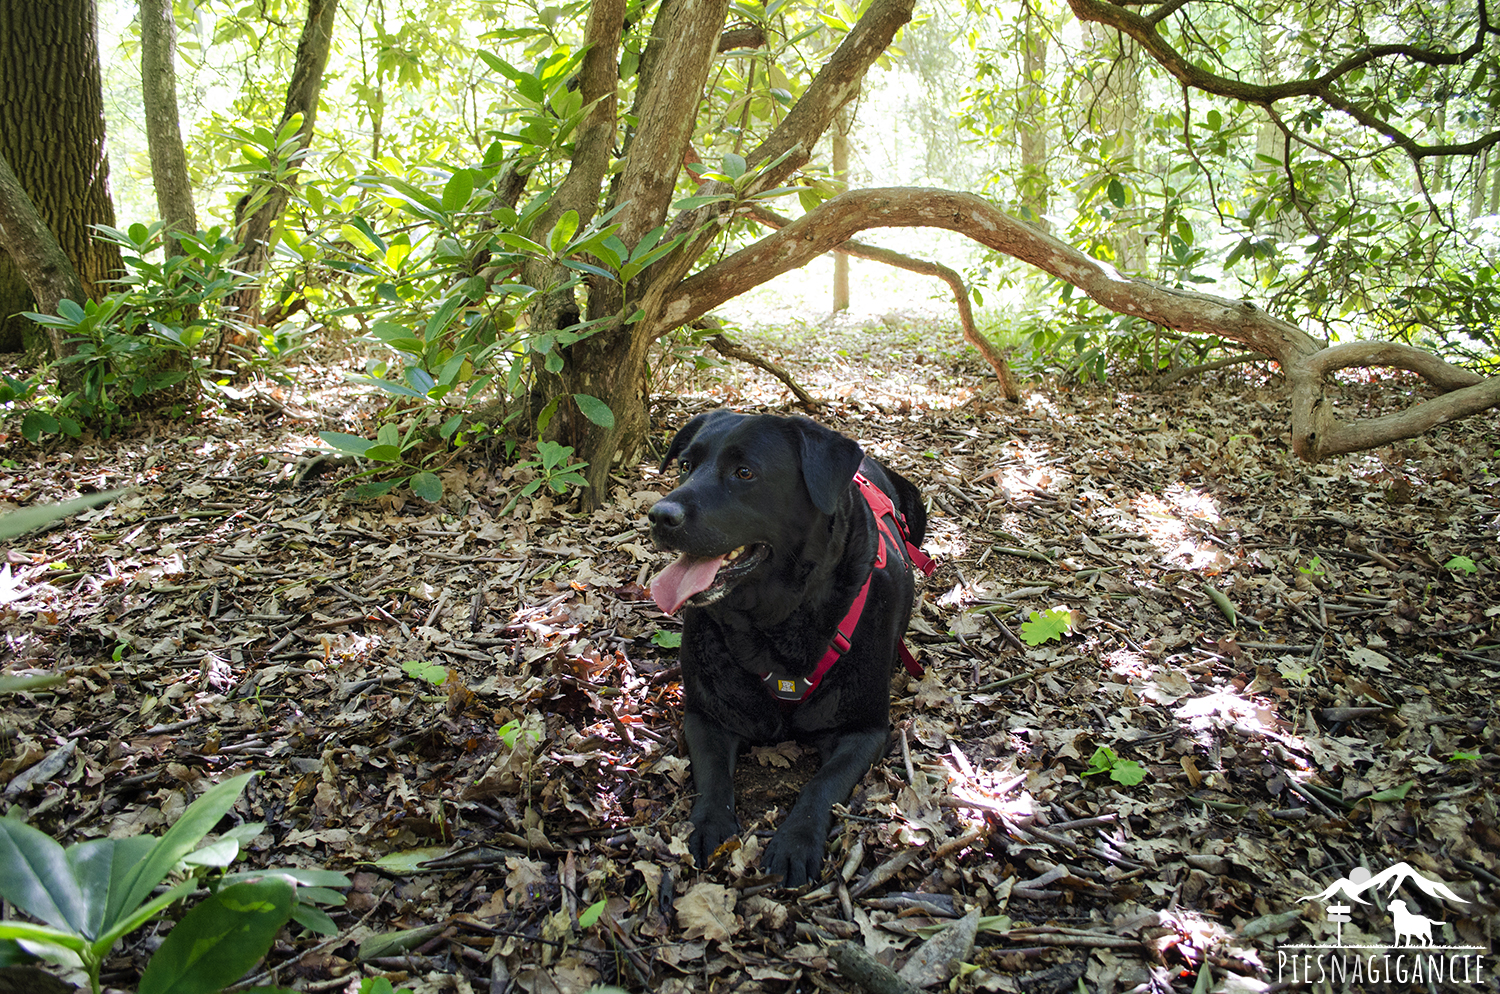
894 533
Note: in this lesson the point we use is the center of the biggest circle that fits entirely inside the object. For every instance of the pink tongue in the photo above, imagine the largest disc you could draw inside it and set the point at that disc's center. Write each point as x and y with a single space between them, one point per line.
681 580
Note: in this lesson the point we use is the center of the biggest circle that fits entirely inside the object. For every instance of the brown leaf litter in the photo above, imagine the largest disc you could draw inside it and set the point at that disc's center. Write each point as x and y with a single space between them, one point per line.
1295 656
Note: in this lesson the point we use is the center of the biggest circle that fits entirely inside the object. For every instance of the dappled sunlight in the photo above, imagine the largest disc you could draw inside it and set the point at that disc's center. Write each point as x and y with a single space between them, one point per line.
1176 520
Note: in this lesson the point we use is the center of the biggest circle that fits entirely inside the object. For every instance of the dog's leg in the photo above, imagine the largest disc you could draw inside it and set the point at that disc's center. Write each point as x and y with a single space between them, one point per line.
712 750
797 850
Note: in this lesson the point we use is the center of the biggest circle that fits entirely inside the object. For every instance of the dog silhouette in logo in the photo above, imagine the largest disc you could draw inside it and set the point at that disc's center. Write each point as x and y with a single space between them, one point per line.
1410 926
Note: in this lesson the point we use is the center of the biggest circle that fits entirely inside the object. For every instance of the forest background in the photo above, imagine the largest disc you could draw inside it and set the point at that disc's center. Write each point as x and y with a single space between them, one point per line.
494 199
1184 663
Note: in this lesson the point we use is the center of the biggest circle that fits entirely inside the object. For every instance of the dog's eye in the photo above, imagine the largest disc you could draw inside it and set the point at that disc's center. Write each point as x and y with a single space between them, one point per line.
744 473
684 467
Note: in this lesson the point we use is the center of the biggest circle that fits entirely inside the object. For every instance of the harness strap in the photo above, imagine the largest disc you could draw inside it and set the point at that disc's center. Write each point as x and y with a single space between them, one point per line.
893 530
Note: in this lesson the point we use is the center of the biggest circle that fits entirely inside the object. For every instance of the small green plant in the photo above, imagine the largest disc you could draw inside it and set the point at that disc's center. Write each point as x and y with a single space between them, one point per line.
1314 567
1463 756
433 673
1462 564
145 336
1125 772
380 985
553 470
387 450
511 732
666 640
92 894
1045 626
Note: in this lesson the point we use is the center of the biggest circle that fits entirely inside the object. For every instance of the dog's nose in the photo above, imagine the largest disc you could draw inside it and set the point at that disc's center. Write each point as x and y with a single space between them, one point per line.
667 514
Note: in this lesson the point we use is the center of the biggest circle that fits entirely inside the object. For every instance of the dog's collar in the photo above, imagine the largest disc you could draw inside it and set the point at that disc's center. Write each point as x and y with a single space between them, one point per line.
893 531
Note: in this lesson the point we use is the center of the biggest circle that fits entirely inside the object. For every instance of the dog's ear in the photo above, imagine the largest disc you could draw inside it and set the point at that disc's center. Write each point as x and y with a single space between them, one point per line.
686 434
829 462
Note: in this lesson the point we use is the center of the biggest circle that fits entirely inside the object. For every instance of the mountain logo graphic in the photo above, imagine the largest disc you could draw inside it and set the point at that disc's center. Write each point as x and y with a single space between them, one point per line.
1360 879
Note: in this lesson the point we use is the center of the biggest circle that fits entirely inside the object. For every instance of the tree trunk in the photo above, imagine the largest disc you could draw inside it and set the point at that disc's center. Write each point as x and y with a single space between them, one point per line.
29 243
611 364
1031 124
169 171
260 209
52 135
841 177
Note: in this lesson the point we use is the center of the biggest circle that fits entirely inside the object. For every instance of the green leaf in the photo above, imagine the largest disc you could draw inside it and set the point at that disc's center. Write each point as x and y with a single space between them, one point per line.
219 940
734 165
427 486
196 821
667 640
458 191
1462 564
352 444
45 936
1394 793
26 519
562 232
419 669
1116 192
1127 772
35 876
595 410
1044 626
590 915
36 423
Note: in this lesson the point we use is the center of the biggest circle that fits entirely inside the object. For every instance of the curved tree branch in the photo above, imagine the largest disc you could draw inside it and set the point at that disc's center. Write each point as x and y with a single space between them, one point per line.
1316 431
955 282
1145 31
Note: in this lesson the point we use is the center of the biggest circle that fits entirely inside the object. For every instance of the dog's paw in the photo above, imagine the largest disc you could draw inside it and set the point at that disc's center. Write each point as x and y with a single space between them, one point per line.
796 855
709 833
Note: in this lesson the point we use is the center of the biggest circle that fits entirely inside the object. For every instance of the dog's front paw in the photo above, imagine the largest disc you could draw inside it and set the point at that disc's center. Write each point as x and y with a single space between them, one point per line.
710 831
796 854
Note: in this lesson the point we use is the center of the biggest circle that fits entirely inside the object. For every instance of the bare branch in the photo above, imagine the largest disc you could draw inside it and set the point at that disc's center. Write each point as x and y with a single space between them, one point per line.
1322 87
955 282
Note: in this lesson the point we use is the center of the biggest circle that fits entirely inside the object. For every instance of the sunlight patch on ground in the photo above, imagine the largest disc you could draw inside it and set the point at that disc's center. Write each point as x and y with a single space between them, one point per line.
1166 518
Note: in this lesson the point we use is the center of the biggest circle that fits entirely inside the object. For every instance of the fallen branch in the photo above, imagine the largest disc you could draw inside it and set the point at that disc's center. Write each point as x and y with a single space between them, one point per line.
733 350
862 968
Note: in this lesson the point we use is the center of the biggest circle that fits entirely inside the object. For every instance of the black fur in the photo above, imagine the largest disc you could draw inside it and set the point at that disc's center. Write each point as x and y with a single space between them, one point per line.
784 485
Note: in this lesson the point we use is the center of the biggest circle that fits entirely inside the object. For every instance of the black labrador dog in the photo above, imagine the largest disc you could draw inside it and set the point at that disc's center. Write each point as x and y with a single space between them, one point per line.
778 539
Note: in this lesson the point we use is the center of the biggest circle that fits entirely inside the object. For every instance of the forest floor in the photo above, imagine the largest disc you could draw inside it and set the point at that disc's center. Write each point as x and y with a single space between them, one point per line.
1160 797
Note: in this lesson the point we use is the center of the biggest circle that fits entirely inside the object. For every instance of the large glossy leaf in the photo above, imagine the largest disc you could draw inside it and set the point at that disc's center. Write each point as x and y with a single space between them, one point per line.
220 939
35 877
97 864
196 821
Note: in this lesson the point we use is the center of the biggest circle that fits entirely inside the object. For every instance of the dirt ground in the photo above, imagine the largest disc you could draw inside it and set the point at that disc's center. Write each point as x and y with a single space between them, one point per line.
1185 696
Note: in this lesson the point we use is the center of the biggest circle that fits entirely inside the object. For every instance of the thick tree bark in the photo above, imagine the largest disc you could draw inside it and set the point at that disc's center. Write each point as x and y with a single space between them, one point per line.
259 210
25 237
611 364
52 134
1316 431
169 170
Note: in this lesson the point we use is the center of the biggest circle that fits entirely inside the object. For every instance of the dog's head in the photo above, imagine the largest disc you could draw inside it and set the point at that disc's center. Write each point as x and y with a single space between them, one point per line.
751 490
